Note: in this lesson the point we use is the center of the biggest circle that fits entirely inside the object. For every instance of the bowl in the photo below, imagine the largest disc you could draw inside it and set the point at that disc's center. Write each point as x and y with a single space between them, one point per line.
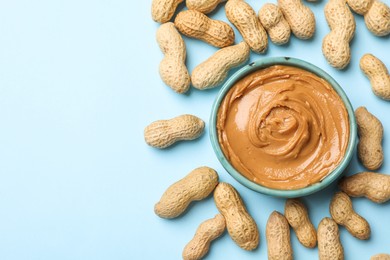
263 63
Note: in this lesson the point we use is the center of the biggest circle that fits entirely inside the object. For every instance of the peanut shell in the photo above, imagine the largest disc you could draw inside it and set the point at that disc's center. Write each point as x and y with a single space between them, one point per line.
335 45
329 245
376 15
244 18
241 226
164 133
380 257
278 237
298 218
203 6
197 25
173 70
163 10
378 74
374 186
300 18
214 70
197 185
277 27
370 132
207 231
342 212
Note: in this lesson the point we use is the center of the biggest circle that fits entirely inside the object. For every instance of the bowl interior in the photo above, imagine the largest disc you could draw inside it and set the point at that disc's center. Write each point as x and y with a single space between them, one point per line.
263 63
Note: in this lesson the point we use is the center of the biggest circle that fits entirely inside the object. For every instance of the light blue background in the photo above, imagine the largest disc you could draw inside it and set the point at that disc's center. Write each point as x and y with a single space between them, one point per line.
78 83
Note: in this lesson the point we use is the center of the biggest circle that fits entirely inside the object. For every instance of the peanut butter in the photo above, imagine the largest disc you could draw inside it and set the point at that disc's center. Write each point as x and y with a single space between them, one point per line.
283 127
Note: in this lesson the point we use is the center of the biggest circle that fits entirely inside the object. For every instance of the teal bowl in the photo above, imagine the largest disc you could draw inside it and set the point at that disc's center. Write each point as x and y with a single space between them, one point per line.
263 63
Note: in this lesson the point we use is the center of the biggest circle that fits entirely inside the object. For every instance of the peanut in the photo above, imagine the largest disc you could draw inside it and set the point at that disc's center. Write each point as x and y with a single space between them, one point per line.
205 234
173 70
300 18
376 15
163 133
298 218
278 29
197 185
335 45
378 74
244 18
203 6
197 25
214 70
241 226
374 186
342 212
163 10
278 237
370 132
380 257
329 245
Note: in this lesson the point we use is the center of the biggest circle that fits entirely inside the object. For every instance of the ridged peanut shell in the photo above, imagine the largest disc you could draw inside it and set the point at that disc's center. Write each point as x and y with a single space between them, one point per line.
207 231
164 133
300 18
163 10
360 6
335 45
298 217
241 226
244 18
278 237
380 257
378 75
329 244
376 15
277 27
173 70
197 185
370 131
197 25
342 212
374 186
214 70
203 6
377 18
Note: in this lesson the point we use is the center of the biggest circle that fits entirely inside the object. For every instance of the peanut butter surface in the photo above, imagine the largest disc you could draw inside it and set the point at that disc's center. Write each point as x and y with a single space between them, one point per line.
283 127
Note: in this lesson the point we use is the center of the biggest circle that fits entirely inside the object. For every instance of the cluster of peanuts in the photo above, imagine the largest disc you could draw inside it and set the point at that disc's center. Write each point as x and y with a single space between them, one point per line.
277 22
242 228
201 182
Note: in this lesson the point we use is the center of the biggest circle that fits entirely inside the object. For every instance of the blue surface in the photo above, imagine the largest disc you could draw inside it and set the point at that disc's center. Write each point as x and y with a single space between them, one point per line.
78 83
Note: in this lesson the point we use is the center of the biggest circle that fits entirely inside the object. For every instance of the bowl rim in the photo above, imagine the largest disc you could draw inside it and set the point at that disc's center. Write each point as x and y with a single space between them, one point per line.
289 61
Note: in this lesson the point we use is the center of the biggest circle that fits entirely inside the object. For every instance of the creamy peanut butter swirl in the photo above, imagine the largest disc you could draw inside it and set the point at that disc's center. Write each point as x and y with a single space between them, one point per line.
283 127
